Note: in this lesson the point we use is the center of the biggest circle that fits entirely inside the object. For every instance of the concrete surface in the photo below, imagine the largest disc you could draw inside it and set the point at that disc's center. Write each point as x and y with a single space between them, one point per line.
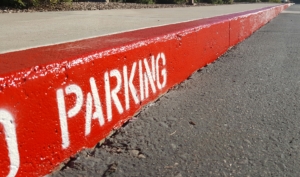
27 30
236 117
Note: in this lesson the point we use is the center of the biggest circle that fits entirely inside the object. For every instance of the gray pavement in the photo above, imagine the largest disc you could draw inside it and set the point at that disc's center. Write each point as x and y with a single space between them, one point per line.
26 30
239 116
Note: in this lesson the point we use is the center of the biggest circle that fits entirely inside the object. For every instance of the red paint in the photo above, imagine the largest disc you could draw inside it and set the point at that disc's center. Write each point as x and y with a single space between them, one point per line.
243 26
29 80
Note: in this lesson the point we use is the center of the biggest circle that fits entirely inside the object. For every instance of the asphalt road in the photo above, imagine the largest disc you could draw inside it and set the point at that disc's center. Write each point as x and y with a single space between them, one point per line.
26 30
239 116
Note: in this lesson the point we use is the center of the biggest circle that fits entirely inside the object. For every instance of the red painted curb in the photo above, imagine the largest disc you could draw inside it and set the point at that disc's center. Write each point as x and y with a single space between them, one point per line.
58 99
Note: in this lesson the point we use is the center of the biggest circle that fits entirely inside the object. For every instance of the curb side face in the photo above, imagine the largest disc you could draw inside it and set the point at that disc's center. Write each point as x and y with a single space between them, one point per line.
53 110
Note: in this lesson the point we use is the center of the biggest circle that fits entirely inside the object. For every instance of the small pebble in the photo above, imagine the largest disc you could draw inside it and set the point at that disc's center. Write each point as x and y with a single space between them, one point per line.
142 156
134 152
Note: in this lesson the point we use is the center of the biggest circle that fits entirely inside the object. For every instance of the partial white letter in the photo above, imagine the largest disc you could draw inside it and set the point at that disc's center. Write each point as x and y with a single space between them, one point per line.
131 86
98 113
62 118
163 72
11 139
79 99
88 114
141 80
71 113
113 93
114 96
149 74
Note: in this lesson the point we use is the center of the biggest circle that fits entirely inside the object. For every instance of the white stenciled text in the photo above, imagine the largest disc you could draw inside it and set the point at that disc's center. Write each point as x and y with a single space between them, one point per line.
132 84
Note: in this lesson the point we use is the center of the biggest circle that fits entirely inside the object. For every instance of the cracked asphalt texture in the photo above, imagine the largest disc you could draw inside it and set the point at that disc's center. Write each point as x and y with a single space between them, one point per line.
239 116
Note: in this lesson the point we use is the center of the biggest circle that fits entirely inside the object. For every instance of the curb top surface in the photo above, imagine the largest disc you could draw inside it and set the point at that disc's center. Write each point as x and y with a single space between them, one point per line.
27 30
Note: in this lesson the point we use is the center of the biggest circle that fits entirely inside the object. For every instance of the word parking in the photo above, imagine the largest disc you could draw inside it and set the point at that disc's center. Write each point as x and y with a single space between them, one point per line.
122 87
